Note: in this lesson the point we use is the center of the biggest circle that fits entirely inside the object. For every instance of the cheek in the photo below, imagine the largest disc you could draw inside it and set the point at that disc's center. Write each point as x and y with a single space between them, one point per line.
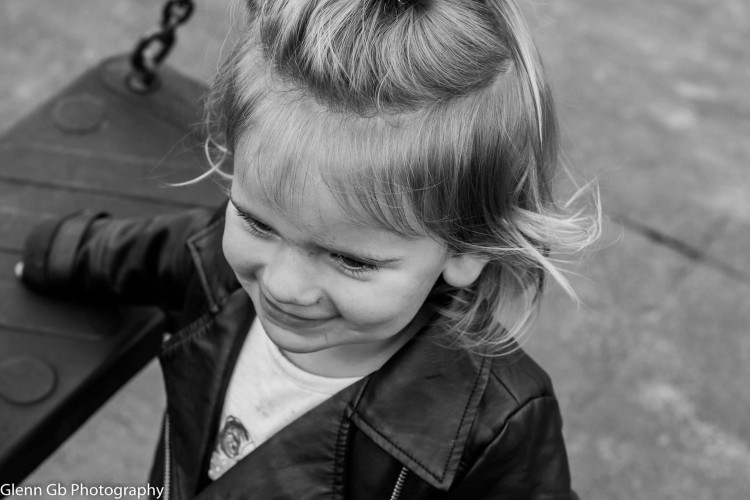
229 246
238 249
395 302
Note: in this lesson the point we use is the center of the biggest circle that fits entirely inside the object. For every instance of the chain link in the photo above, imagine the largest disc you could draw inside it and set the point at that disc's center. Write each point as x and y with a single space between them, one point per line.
151 50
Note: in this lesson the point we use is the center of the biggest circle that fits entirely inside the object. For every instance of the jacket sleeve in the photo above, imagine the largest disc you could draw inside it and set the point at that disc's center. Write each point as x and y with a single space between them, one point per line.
527 460
137 261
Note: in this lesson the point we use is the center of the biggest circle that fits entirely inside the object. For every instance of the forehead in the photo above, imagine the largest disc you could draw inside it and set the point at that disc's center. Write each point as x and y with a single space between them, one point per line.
293 147
309 203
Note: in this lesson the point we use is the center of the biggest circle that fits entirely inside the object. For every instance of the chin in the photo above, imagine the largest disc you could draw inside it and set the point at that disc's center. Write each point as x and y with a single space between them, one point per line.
294 342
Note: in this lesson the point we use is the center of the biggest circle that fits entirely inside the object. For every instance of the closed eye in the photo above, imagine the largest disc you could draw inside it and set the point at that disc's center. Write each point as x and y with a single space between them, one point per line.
352 266
255 226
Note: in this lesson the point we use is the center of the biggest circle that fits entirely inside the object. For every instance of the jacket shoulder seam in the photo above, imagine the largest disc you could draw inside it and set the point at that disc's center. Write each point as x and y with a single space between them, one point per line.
541 389
511 415
500 381
526 404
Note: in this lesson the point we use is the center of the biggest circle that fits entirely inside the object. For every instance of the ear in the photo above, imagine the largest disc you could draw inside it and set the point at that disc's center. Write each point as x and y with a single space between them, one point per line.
462 270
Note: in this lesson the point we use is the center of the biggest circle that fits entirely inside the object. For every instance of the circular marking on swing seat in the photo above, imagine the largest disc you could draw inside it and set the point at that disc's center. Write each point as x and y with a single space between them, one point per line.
26 379
79 114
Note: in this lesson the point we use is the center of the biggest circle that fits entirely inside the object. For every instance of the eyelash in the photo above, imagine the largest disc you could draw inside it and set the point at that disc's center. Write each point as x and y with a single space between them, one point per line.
255 227
360 268
348 265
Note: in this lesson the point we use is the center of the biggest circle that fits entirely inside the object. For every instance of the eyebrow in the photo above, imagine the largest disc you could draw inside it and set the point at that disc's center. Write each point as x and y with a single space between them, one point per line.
357 255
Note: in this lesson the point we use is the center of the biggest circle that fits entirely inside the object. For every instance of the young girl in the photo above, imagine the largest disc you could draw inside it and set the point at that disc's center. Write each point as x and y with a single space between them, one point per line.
346 327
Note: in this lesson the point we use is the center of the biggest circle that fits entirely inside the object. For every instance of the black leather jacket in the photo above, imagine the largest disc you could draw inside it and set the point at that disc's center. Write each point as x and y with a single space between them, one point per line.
432 423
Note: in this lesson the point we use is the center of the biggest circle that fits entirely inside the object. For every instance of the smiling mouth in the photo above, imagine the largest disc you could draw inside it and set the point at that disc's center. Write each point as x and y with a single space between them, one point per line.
277 314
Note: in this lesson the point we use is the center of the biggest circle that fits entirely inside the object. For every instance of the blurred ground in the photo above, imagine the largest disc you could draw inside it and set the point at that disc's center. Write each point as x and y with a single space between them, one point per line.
652 372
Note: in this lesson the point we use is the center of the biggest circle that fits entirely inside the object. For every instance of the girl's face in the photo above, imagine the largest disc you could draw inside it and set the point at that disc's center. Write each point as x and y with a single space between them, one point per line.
334 295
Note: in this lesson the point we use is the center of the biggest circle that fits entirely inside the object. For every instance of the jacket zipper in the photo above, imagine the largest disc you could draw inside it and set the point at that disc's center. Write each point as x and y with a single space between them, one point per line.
167 459
396 494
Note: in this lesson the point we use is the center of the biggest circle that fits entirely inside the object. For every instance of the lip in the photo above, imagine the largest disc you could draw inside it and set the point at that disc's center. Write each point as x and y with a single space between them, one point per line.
276 314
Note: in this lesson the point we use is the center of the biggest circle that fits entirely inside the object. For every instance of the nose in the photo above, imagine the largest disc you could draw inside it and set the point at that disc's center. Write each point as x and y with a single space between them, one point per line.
289 277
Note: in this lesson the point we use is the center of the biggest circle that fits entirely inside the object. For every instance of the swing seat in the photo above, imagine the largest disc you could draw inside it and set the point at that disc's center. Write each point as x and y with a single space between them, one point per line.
96 145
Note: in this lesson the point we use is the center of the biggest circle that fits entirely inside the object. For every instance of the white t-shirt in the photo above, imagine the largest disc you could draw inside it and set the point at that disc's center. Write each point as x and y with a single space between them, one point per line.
265 394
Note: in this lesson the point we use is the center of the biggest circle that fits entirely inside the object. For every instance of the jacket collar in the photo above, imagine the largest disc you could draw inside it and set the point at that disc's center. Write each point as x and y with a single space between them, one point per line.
420 406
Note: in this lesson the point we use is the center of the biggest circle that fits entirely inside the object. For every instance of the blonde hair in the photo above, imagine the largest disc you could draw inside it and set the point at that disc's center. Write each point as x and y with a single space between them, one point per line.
443 109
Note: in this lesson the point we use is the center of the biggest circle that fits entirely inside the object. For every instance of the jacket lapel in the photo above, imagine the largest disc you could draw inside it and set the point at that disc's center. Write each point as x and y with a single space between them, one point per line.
197 364
306 459
420 406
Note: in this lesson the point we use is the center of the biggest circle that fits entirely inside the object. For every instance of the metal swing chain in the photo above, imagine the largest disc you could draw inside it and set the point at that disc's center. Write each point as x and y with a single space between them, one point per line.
151 50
